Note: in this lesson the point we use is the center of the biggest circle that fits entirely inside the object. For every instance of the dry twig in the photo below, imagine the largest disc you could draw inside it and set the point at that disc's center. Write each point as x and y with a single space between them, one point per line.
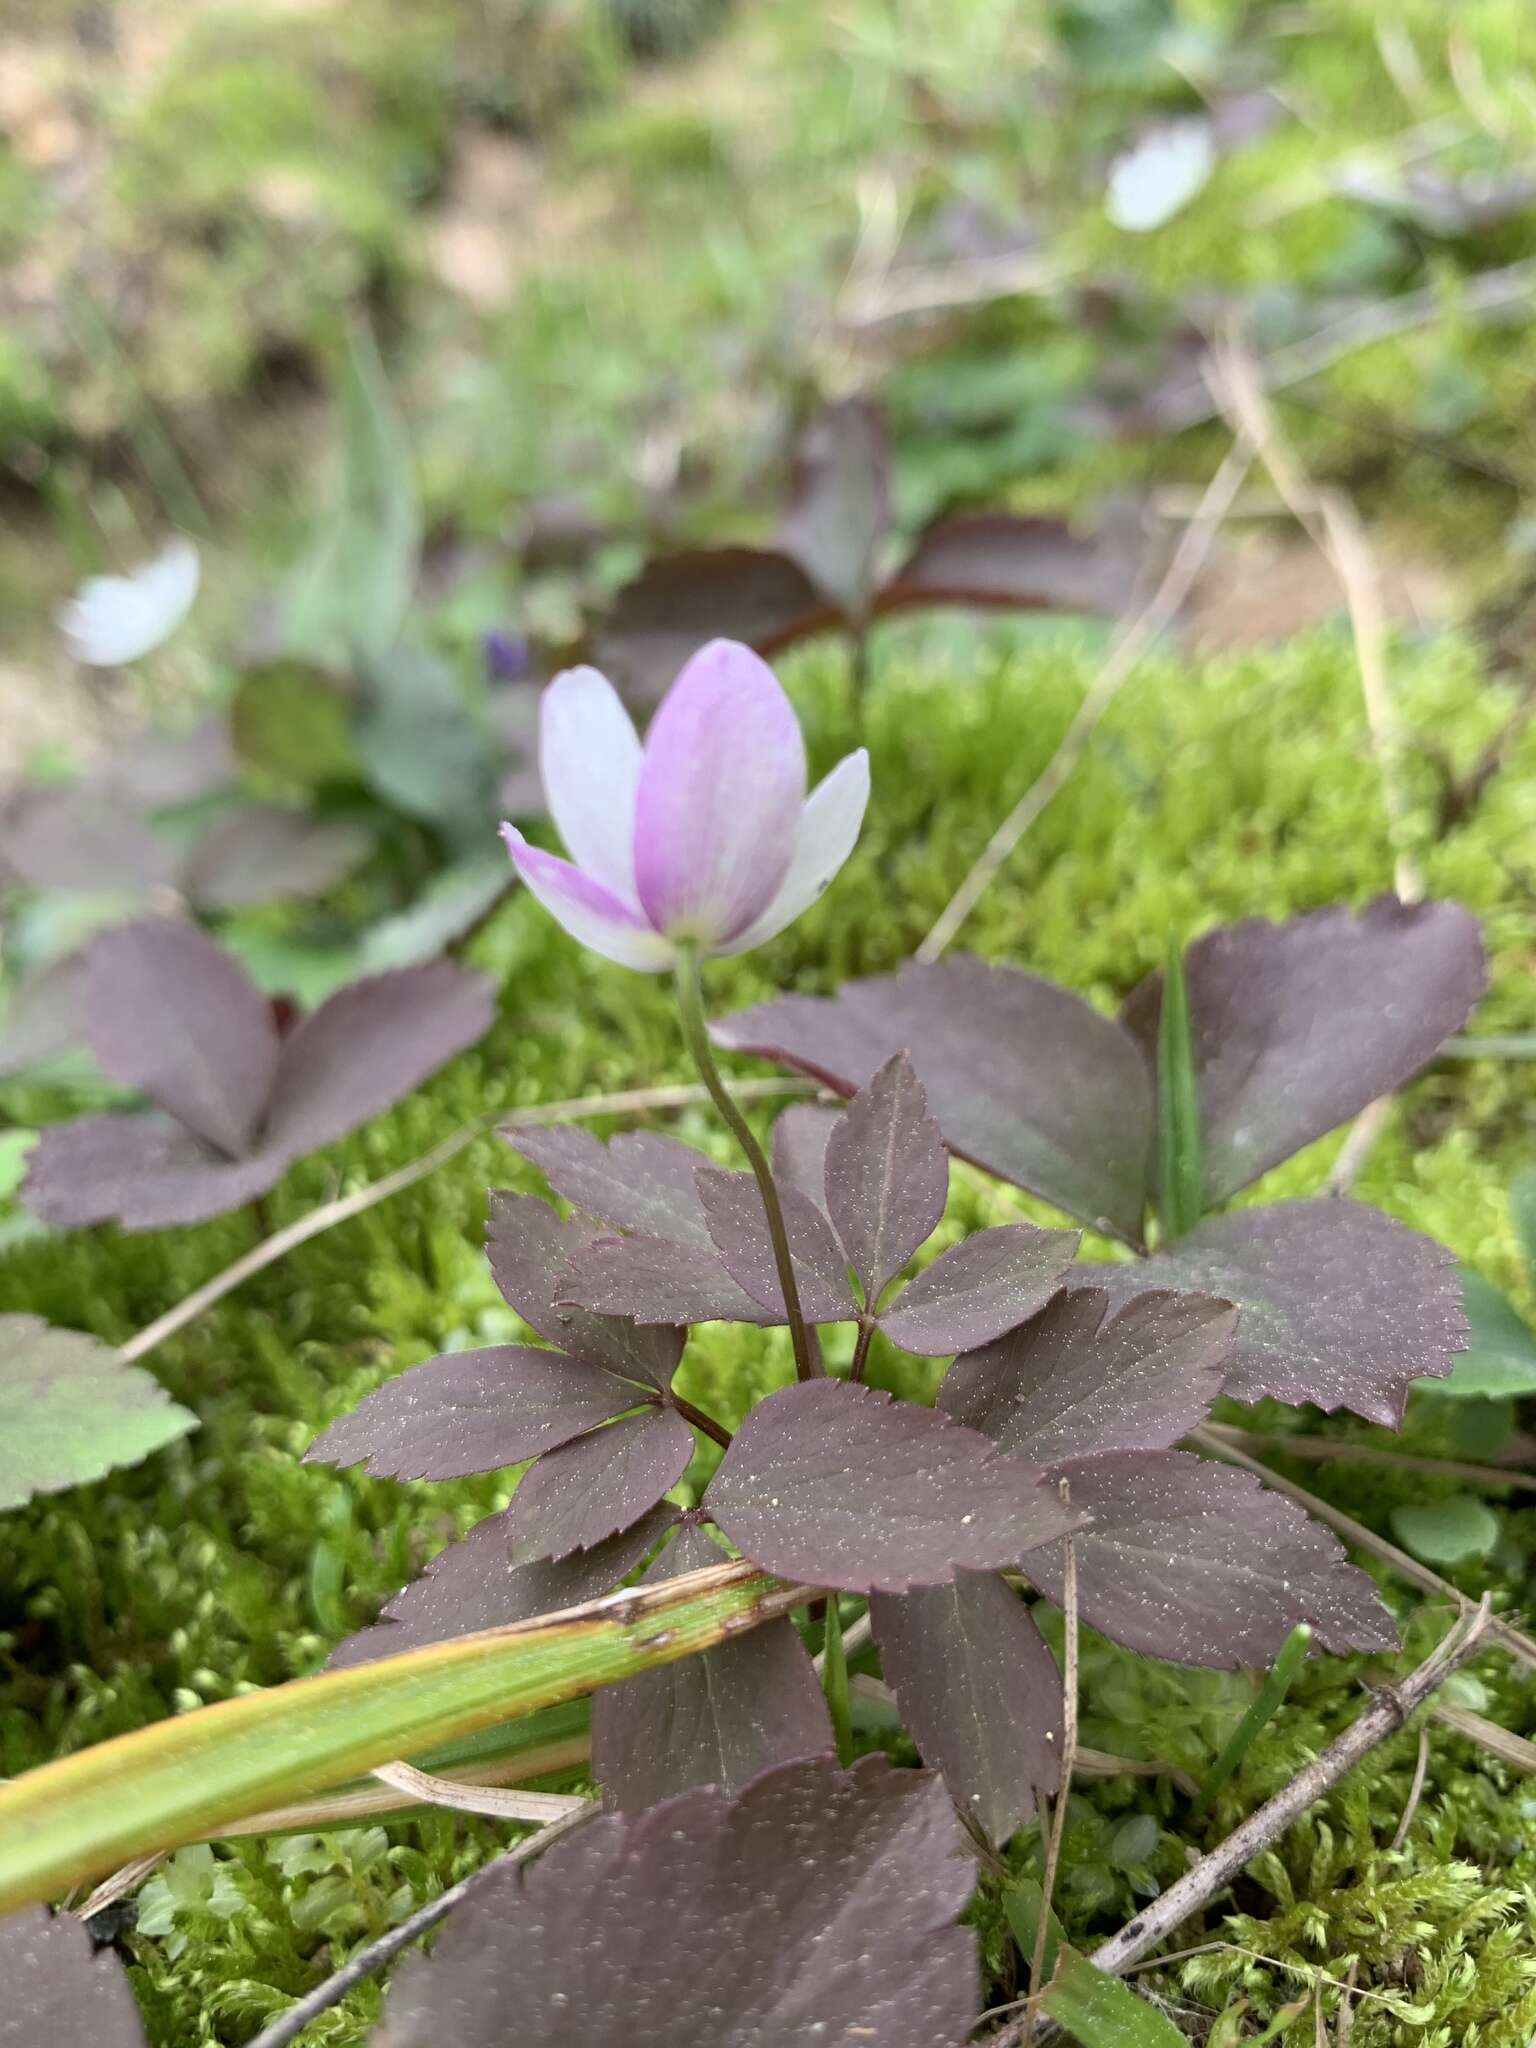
1064 1793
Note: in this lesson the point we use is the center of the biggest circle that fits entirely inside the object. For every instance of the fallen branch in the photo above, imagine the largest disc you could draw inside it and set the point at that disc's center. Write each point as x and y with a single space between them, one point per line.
1160 612
369 1961
1390 1710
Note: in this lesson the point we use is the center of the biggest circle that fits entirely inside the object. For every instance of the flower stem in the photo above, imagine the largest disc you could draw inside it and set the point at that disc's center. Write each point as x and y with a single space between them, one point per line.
690 999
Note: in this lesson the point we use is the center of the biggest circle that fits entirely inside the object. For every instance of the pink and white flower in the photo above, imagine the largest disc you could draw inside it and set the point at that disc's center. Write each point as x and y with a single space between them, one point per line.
705 834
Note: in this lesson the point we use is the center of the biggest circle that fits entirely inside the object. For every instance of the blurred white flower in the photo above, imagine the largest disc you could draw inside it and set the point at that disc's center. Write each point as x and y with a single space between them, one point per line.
1160 174
113 619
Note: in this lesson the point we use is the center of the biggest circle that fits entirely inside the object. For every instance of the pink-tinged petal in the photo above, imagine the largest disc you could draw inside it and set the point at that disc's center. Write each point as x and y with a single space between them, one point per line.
587 910
721 791
829 831
589 761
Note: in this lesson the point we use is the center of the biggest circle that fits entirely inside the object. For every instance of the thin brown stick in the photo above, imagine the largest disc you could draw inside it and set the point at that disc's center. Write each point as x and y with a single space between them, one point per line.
1389 1710
1340 1450
369 1961
1415 1792
494 1802
1513 1640
1500 1742
330 1214
1162 609
1059 1809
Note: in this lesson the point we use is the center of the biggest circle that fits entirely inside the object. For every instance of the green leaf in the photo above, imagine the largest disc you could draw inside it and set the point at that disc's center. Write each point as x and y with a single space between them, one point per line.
834 1678
71 1410
183 1780
1101 2012
350 594
293 721
1522 1213
423 750
1179 1165
1447 1531
1022 1902
1500 1359
1263 1710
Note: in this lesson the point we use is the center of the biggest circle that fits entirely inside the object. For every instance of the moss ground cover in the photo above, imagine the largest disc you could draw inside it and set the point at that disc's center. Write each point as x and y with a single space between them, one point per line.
1243 785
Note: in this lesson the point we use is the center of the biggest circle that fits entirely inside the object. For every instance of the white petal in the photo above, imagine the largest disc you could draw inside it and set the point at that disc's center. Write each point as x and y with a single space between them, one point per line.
589 912
589 761
1159 175
829 831
113 619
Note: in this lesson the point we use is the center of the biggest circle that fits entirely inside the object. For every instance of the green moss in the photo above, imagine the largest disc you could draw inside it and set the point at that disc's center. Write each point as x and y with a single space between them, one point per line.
1211 792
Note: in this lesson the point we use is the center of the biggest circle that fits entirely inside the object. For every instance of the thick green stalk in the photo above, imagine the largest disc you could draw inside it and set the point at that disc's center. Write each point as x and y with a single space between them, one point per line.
690 1000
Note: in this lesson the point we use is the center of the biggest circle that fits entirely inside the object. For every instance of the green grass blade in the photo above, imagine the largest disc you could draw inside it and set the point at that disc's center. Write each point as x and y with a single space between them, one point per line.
1271 1698
1180 1168
76 1820
834 1678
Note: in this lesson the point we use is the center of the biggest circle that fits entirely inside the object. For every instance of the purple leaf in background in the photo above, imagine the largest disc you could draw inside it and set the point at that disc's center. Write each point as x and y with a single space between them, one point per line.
837 1485
1068 1384
678 602
720 1718
817 1908
41 1019
886 1176
999 559
168 1012
369 1046
1022 1077
603 1483
801 1135
1297 1026
474 1584
59 1993
259 853
979 1288
161 767
840 502
473 1411
1338 1304
738 1224
530 1248
76 837
980 1693
1197 1563
141 1172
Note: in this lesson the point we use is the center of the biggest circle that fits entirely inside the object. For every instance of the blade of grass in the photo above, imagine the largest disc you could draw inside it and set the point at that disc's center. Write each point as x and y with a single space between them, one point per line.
76 1820
834 1679
1271 1698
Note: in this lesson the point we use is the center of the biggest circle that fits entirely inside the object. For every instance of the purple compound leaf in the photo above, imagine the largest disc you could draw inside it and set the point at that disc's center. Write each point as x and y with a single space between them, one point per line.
840 502
1069 1384
167 1011
474 1584
840 1486
141 1172
473 1411
1338 1304
598 1485
817 1908
639 1181
58 1989
1298 1026
41 1019
1197 1563
1022 1077
656 1280
979 1288
679 602
265 853
369 1046
530 1249
71 1410
987 560
720 1718
980 1693
738 1224
886 1176
800 1140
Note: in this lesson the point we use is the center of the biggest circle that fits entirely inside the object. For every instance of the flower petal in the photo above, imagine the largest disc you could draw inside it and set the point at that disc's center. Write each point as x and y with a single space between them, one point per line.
829 830
113 619
589 760
721 792
587 910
